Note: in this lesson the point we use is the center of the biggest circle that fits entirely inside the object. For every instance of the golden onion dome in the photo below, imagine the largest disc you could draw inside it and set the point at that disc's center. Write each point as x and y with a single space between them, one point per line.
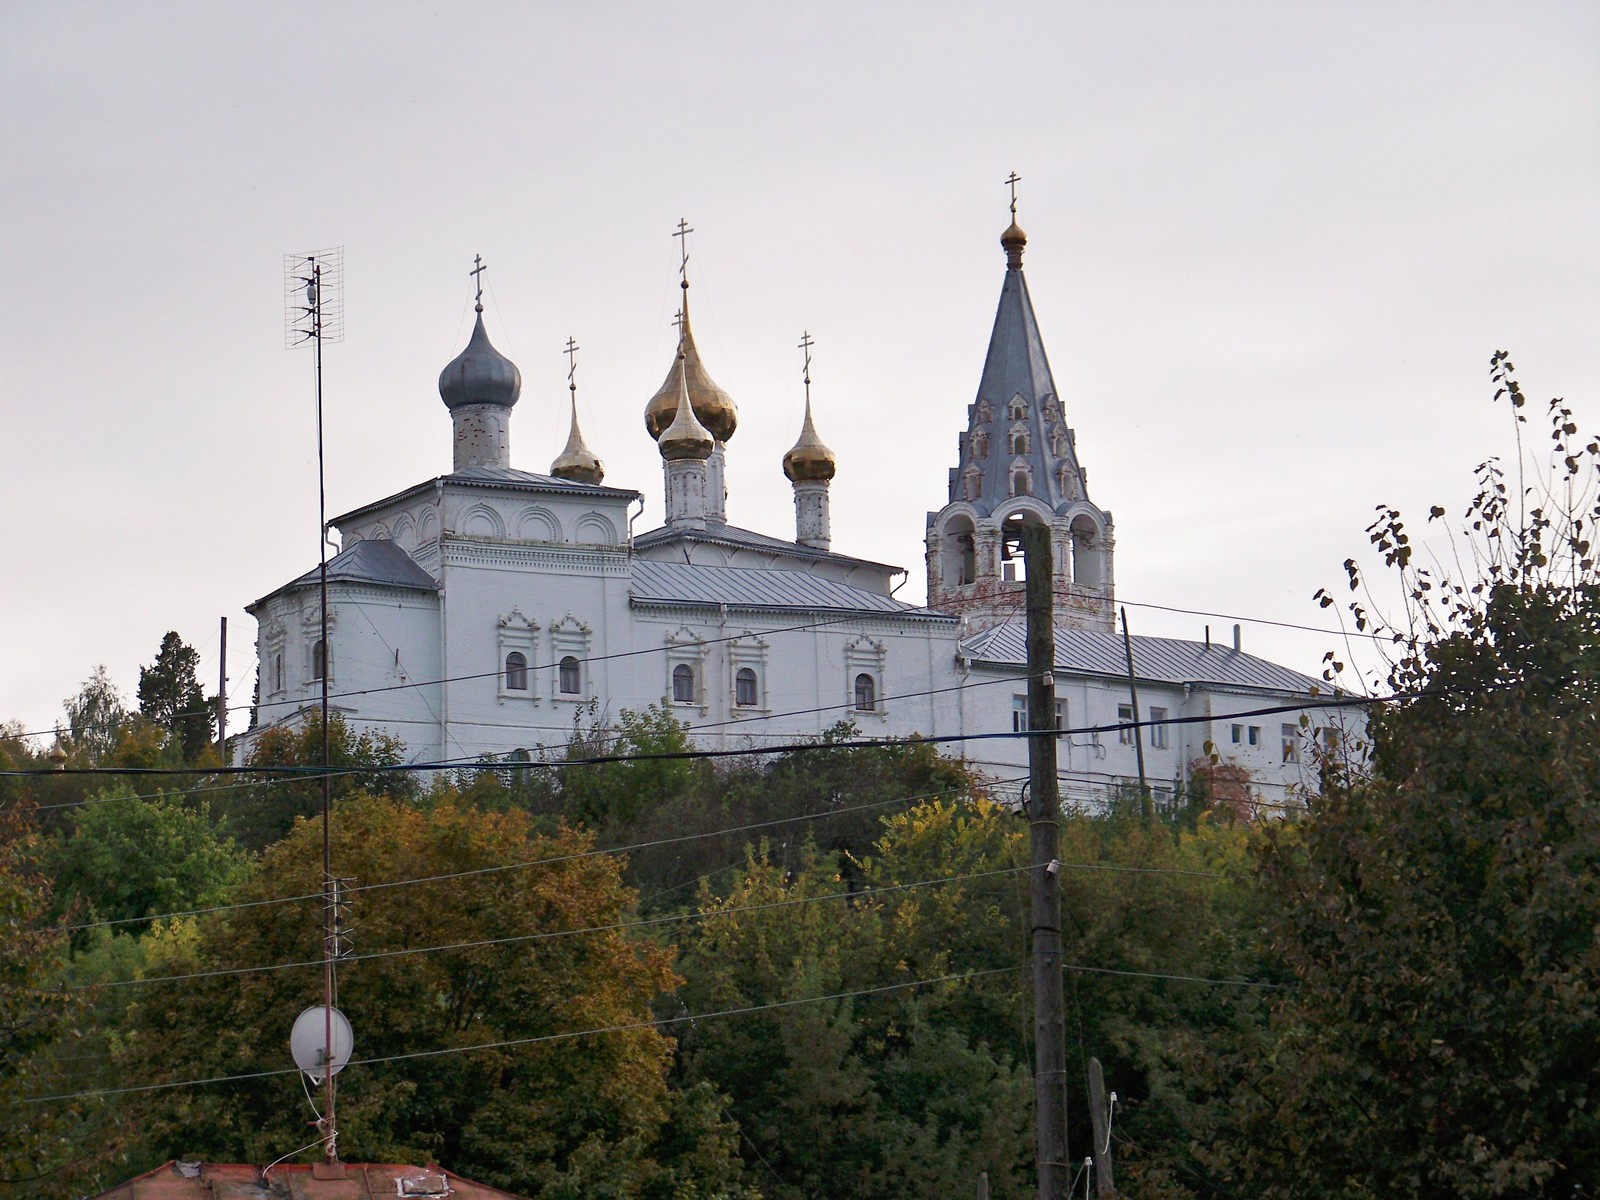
1013 240
808 460
713 406
686 437
577 462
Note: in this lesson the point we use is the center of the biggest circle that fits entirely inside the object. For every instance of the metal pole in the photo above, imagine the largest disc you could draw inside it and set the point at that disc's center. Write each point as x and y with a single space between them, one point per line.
331 1146
222 696
1050 1071
1138 734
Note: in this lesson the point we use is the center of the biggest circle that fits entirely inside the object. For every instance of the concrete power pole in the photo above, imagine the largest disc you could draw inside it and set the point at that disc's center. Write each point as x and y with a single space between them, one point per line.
1050 1063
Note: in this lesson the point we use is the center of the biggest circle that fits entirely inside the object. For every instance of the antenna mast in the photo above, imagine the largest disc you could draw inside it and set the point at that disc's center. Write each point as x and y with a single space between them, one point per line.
314 314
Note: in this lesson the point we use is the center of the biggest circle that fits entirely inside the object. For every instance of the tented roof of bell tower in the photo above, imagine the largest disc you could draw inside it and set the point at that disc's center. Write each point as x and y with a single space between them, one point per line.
1017 441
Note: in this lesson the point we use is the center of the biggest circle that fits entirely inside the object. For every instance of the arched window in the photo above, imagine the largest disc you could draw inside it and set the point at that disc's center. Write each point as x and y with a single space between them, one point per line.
1019 441
744 688
683 684
277 673
1017 410
1021 485
319 660
570 678
866 693
516 671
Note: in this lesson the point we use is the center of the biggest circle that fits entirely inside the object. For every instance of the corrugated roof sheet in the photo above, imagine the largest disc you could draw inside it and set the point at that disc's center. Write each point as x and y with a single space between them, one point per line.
1160 660
731 535
749 587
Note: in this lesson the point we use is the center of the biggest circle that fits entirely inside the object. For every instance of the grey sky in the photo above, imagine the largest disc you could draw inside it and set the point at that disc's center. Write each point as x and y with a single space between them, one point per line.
1271 248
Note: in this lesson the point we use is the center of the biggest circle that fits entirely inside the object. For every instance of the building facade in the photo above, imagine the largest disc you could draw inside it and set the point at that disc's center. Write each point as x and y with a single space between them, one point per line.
494 610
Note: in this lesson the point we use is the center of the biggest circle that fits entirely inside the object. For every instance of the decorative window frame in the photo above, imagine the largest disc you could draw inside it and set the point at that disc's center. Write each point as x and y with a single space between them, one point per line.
271 671
310 635
515 632
685 647
571 636
864 655
747 650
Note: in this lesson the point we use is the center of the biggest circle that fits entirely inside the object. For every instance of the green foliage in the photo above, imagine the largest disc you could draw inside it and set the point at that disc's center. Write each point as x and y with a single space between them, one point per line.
1440 918
557 1115
170 696
95 716
44 1147
129 858
260 812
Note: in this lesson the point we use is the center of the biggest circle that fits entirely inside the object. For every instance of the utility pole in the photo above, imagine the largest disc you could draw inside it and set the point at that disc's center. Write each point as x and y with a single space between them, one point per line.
1105 1183
222 696
1138 733
1049 1059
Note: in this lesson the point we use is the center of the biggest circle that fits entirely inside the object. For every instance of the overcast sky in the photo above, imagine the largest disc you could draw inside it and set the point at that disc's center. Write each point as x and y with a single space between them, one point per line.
1272 247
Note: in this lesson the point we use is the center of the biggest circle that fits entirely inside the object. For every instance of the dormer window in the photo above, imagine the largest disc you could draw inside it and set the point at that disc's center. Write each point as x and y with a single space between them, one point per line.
1019 441
1021 482
1018 409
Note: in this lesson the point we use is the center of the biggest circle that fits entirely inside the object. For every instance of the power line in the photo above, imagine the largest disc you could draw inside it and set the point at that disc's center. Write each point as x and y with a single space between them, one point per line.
539 862
635 1026
867 893
809 746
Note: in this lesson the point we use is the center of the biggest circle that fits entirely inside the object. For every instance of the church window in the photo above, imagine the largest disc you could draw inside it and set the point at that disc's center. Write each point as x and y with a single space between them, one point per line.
1291 743
866 693
972 479
1018 410
277 673
1019 441
1125 724
683 684
1021 484
1158 728
980 443
516 672
319 660
744 688
570 676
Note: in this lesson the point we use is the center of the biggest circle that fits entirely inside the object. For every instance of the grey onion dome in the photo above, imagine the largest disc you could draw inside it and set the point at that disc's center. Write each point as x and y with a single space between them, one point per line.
480 374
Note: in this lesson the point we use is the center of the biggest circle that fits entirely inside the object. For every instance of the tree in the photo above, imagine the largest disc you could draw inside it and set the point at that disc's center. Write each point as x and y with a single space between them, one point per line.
1439 917
130 857
170 695
43 1146
488 955
95 716
262 811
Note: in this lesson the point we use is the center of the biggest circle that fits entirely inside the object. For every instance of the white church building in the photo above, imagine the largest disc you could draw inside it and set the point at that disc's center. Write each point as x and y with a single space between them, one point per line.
484 612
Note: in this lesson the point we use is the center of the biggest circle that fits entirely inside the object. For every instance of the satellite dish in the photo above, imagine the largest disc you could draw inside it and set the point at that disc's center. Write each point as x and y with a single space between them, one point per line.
309 1043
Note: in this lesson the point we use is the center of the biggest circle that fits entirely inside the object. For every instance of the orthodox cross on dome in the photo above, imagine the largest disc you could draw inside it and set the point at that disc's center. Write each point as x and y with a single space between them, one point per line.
805 347
677 323
478 268
1012 180
682 233
572 365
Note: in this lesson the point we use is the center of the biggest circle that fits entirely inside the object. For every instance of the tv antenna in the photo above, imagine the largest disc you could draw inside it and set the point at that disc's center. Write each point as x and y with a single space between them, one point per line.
313 291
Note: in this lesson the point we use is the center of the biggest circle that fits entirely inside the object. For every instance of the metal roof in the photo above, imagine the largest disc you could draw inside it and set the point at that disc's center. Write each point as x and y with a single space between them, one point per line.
501 477
375 561
1155 659
721 534
766 588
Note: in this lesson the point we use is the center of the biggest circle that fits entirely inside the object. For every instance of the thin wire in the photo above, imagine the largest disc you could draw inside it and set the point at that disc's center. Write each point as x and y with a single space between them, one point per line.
811 746
538 862
1193 612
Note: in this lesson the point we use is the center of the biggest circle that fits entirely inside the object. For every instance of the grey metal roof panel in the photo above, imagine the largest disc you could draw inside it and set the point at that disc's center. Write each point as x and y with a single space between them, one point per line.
748 539
751 587
1155 659
507 477
377 561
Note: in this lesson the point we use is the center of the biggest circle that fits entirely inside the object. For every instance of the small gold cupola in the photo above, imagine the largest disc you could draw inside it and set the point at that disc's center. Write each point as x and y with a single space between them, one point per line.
576 462
713 406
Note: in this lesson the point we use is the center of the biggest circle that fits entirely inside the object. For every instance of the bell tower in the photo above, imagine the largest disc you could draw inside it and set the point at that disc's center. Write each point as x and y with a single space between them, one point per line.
1017 455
